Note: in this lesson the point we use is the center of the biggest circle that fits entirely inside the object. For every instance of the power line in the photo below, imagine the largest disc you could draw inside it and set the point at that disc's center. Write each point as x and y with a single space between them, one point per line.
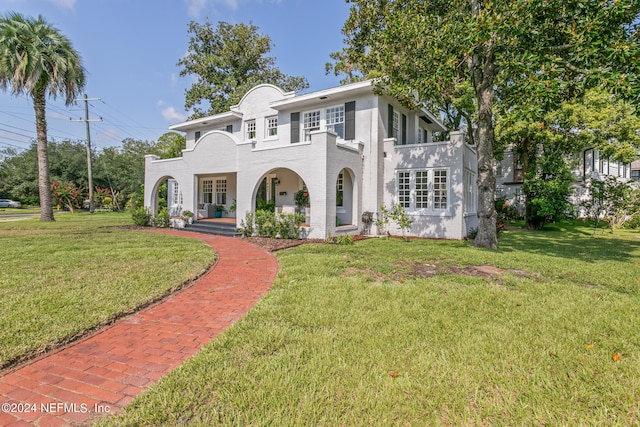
86 122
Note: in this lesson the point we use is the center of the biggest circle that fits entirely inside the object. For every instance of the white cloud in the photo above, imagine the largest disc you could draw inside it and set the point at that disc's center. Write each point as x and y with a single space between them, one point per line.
172 115
195 8
67 4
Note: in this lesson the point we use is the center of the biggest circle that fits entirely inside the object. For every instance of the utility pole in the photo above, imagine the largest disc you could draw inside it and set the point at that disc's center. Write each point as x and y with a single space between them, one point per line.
87 121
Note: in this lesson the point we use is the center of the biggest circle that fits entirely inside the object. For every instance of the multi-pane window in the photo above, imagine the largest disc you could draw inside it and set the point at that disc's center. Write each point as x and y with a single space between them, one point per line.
310 122
440 189
272 126
177 194
422 190
207 191
404 189
340 190
420 136
221 192
335 120
251 129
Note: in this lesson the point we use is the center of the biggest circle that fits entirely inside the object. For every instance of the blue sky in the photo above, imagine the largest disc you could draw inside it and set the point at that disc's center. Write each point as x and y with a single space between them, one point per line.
130 49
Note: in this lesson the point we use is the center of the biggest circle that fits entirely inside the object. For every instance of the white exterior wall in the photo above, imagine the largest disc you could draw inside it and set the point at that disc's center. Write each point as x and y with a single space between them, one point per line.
370 161
450 156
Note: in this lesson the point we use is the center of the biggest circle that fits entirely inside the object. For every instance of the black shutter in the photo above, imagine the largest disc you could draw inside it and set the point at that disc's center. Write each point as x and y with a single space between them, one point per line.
404 130
229 128
390 121
350 120
295 127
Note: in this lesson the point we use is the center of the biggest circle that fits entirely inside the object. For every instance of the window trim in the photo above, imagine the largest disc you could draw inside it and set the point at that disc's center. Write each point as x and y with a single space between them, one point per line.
269 126
250 129
430 177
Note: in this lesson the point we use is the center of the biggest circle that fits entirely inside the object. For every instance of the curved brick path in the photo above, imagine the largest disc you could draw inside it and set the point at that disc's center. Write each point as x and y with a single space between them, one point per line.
105 371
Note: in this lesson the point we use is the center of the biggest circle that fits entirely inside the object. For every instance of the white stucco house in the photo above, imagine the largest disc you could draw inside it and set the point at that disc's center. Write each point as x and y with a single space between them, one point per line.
587 164
351 149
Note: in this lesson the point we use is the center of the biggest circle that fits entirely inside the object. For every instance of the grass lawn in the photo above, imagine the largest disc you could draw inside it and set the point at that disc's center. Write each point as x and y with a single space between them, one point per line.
65 277
385 332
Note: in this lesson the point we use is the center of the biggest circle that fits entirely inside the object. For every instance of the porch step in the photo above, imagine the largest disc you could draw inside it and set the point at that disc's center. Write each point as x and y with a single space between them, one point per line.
217 228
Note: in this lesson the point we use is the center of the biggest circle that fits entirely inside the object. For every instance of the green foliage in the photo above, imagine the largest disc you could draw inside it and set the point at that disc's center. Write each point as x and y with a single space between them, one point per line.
382 220
170 145
162 219
266 223
612 200
247 227
263 205
67 194
227 61
547 189
301 198
141 216
398 215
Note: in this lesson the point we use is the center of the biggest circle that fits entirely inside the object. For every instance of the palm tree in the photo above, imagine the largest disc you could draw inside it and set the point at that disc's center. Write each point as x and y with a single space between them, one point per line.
36 60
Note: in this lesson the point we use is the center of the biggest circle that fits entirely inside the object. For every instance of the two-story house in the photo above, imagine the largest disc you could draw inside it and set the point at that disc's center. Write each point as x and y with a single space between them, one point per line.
351 149
586 165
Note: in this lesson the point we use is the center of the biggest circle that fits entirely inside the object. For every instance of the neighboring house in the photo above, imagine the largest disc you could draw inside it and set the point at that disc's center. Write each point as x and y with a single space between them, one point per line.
351 149
587 165
635 170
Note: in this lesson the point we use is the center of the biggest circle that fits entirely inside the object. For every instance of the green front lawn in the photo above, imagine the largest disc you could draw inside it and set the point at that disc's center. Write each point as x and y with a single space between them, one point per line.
62 278
392 333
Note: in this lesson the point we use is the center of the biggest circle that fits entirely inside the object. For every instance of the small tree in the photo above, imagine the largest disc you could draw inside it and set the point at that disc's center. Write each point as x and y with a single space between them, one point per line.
612 200
398 215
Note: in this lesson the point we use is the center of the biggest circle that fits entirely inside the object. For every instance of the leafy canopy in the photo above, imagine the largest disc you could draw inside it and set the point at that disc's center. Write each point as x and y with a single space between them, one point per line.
228 61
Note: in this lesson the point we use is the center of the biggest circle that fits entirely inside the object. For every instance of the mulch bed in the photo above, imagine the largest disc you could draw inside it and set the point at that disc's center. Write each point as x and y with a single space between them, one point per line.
273 245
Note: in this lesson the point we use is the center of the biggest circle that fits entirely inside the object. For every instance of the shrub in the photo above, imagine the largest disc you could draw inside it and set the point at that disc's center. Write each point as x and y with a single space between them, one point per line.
141 216
266 223
162 220
247 225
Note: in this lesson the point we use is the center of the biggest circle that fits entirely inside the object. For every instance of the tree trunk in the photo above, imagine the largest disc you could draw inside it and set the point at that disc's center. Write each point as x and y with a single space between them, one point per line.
44 183
483 71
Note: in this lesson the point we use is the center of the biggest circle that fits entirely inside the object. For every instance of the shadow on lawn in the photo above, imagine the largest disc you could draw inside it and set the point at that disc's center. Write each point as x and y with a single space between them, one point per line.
569 241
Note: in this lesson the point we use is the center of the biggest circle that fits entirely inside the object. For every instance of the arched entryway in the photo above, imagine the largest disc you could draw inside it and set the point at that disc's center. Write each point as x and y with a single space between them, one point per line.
167 194
276 190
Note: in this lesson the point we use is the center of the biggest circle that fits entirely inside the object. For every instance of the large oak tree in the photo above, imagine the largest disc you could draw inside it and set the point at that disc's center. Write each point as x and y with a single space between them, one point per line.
228 61
507 49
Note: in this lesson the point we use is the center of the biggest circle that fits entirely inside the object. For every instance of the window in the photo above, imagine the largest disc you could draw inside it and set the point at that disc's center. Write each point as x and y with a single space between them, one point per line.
310 122
420 136
340 190
221 192
335 120
177 194
422 190
440 189
197 135
396 126
404 189
272 126
470 199
251 129
207 191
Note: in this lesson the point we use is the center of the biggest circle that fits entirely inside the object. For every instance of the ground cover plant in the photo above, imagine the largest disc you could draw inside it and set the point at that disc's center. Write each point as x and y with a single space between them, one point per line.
542 331
62 278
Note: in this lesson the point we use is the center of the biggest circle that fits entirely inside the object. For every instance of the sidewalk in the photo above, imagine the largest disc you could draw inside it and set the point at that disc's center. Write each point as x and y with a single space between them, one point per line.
104 372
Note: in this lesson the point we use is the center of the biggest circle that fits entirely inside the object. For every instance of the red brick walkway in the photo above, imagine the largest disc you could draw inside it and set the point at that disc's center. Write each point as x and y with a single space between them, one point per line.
105 371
